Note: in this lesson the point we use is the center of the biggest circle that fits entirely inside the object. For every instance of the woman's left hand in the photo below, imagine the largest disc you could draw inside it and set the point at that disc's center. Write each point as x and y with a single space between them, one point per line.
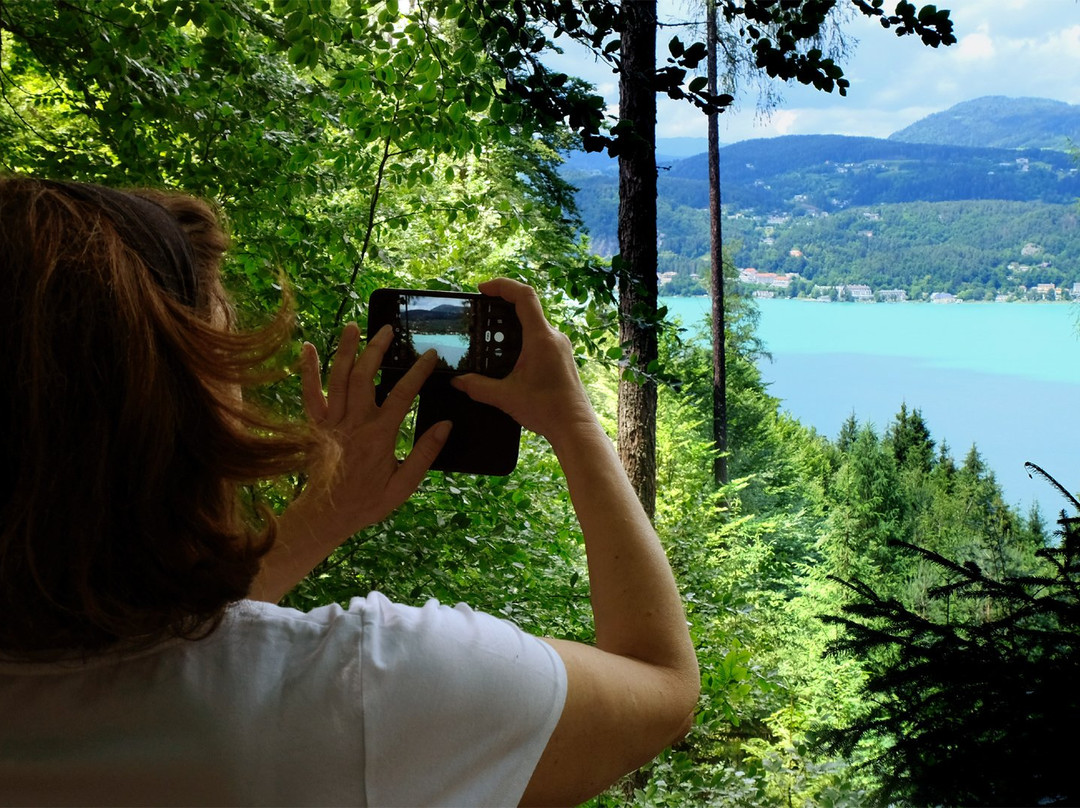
368 481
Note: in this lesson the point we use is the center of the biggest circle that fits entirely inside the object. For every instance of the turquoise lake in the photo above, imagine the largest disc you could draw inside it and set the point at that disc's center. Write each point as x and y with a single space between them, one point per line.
1004 376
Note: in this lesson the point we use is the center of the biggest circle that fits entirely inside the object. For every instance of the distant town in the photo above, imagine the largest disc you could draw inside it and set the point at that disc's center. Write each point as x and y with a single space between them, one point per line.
773 284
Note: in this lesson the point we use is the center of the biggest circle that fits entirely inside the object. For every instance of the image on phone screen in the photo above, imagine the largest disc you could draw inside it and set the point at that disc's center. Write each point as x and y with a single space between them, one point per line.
445 324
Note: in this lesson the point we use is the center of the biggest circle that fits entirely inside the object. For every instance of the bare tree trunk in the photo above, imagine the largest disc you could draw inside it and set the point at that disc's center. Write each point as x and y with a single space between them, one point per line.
716 256
637 248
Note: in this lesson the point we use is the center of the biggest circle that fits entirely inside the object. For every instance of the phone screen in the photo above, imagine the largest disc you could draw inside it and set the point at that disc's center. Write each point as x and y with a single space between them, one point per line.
471 333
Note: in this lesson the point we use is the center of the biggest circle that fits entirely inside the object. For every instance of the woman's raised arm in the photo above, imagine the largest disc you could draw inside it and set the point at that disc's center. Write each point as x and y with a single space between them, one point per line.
634 693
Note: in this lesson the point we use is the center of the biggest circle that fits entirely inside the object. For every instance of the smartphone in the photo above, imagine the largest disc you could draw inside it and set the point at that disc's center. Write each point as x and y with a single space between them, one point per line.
471 333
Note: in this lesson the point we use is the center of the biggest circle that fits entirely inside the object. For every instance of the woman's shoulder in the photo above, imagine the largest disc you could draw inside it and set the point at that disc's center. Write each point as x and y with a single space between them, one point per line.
375 621
373 611
398 647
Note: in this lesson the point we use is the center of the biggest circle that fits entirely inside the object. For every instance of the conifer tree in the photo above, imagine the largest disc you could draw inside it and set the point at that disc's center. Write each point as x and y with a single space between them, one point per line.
980 707
910 440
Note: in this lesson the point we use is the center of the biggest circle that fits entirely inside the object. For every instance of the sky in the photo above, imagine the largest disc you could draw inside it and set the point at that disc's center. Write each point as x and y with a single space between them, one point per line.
1012 48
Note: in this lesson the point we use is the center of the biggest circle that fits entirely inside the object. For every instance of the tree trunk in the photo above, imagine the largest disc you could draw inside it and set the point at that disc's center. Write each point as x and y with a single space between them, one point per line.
637 248
716 256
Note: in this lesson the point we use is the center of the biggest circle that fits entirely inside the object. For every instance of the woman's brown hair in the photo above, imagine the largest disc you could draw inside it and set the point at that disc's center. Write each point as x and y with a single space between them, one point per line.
124 447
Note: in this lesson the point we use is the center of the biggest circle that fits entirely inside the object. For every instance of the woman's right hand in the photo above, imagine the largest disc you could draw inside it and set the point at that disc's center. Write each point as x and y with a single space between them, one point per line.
543 392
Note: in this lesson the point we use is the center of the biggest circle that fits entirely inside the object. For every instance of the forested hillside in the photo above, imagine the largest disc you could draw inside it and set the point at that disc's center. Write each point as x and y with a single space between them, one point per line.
963 214
829 173
974 249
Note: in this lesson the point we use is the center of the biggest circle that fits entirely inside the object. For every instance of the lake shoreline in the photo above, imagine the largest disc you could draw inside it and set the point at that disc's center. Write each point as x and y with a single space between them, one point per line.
894 302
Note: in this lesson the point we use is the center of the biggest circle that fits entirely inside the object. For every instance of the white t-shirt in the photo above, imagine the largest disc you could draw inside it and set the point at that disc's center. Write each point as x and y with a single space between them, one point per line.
379 704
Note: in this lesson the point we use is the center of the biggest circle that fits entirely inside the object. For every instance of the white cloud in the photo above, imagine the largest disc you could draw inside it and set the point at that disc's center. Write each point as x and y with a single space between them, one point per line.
608 89
1067 38
978 47
785 121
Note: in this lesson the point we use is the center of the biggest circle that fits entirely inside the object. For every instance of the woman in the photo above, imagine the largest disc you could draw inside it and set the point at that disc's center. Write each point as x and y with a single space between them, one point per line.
141 657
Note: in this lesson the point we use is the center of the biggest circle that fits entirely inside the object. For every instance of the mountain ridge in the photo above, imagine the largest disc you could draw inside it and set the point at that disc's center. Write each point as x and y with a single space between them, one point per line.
999 121
801 175
992 121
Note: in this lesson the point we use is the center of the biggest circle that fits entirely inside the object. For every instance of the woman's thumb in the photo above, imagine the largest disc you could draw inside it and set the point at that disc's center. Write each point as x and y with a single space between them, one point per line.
477 387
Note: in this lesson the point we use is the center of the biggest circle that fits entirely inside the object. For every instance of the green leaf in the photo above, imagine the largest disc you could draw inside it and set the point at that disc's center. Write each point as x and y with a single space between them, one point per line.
323 31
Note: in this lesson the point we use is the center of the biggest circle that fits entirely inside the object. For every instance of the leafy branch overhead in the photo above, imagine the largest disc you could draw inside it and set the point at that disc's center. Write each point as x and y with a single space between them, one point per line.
115 51
778 30
325 130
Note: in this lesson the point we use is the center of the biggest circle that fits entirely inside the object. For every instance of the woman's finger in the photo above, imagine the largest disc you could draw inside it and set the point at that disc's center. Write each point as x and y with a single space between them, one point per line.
311 384
400 398
411 472
340 371
367 364
479 388
526 303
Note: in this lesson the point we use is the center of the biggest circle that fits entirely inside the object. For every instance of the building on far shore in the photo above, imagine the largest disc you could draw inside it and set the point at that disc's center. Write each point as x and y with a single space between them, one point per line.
944 297
892 295
772 279
858 292
1046 291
